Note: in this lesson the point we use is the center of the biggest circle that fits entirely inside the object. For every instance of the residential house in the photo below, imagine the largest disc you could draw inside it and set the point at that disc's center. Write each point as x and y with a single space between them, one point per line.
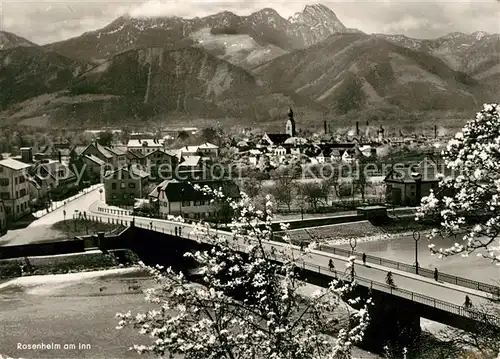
406 185
161 164
123 185
136 157
56 177
56 151
111 155
191 167
145 146
208 149
279 151
74 154
39 195
254 156
367 150
3 218
274 139
174 197
348 156
242 146
335 155
119 156
188 151
94 168
14 189
320 158
98 151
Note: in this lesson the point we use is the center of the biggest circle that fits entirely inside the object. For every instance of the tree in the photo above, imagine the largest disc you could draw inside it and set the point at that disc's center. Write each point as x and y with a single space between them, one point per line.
183 135
359 182
332 181
105 138
468 200
312 193
211 134
246 305
283 189
252 186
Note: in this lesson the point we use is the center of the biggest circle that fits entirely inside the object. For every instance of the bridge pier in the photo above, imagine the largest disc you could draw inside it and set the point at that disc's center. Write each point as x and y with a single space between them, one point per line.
394 322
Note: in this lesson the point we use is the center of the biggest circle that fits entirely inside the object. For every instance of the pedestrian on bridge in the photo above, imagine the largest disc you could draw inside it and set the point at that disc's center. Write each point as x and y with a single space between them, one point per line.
151 225
176 231
331 265
468 302
436 274
364 258
389 280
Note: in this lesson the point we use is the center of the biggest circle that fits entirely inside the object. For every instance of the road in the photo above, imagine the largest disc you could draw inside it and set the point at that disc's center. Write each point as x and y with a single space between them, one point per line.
420 285
40 229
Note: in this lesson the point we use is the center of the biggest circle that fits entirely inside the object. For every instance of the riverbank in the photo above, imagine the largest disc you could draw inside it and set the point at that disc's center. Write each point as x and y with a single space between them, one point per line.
65 263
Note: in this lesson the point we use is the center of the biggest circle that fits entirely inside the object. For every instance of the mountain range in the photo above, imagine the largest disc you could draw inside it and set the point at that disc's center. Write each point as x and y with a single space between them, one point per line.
246 69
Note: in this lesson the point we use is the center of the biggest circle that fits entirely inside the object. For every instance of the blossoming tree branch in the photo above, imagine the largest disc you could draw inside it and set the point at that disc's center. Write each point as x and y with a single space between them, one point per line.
249 302
468 202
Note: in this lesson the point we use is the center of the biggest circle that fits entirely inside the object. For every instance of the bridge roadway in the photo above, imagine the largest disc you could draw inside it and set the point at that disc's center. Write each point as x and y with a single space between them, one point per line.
427 291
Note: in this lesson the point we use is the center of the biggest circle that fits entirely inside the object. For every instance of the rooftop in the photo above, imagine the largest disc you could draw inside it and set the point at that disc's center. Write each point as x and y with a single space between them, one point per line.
149 142
177 191
207 145
95 160
14 164
190 161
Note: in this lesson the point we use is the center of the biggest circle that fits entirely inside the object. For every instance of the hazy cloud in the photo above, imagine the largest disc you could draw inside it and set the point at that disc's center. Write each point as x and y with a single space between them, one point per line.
49 21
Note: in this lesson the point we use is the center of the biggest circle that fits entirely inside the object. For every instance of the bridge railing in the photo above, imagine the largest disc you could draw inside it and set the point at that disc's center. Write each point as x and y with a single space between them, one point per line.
448 278
406 294
403 293
409 268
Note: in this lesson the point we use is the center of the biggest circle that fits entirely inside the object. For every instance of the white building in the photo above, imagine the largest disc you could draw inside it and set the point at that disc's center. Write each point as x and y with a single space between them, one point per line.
206 149
145 146
174 197
14 188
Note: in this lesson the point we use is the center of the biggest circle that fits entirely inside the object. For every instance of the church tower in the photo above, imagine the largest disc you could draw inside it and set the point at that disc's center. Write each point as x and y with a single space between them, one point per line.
290 125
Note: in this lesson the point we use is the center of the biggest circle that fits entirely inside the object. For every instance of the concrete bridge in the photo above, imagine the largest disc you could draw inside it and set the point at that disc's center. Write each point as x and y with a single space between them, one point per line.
397 309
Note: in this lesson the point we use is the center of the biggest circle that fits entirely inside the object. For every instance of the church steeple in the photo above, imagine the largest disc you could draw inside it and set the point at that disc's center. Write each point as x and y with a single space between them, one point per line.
290 124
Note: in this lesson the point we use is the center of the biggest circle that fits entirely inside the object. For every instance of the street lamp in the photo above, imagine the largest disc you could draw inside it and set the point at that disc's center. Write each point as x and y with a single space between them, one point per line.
416 238
353 242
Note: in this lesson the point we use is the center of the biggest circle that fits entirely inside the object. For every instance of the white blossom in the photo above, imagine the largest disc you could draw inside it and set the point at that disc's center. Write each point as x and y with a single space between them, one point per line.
247 304
472 192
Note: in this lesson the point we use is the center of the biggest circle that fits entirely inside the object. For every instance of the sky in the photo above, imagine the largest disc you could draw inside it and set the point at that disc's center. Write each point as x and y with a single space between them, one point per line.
45 21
